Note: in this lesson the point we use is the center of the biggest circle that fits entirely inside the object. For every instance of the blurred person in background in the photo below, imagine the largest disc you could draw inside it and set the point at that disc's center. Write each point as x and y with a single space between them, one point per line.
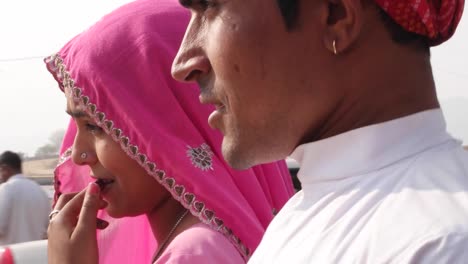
24 205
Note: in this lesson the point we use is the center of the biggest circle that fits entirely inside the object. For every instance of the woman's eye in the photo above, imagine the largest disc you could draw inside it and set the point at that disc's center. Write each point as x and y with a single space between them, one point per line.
93 128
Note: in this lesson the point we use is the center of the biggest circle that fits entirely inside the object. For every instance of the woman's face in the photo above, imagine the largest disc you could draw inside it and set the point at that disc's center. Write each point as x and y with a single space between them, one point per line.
129 189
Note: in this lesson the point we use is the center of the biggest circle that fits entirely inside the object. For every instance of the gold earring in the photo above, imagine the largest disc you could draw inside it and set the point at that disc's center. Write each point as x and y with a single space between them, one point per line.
334 47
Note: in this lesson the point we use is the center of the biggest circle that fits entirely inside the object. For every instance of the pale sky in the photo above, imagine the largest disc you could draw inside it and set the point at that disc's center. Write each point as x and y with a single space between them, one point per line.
32 107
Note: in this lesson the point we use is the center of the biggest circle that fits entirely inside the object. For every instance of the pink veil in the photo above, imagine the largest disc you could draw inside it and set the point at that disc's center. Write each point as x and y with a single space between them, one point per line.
119 71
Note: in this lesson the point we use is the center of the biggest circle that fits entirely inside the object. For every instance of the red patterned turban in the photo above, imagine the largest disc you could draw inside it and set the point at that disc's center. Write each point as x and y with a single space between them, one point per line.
435 19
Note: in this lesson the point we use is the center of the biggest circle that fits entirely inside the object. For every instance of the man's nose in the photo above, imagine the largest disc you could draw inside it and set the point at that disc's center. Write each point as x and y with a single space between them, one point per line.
191 61
189 67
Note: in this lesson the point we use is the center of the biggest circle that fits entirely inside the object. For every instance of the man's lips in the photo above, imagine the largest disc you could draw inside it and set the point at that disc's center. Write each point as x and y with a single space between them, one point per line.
220 108
215 118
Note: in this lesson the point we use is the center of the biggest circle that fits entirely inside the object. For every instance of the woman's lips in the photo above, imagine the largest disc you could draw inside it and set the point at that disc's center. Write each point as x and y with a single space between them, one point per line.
103 183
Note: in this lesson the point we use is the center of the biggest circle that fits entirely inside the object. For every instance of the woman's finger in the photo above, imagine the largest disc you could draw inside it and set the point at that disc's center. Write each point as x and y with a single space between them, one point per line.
70 216
66 197
64 222
87 221
61 225
63 200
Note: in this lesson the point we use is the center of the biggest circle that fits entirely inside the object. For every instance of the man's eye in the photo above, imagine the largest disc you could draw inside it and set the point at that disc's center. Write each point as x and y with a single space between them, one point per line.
93 128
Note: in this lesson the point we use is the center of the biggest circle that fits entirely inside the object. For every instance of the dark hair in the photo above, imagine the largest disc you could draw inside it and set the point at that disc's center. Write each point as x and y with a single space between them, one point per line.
290 12
401 36
11 159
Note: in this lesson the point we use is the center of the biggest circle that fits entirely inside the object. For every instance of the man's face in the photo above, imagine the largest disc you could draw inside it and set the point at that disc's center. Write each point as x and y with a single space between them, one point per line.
255 72
4 173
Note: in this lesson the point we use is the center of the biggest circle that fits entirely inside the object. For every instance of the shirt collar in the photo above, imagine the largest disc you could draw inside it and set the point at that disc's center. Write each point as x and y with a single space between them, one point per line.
370 148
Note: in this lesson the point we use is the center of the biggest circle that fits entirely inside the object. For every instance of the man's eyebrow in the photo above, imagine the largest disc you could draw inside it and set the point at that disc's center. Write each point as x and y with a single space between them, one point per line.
77 114
186 3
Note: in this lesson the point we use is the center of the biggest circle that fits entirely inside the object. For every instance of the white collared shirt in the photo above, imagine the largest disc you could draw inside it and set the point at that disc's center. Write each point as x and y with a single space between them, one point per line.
395 192
24 210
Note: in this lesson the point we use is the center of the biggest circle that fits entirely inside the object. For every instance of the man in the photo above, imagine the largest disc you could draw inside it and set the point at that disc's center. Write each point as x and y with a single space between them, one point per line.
24 206
346 88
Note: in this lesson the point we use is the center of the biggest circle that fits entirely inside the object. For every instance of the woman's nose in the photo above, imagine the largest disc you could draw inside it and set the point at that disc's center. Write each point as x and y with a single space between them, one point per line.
83 157
83 152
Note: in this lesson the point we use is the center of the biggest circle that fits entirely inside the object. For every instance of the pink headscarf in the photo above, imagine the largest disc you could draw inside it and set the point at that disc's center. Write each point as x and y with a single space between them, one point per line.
119 70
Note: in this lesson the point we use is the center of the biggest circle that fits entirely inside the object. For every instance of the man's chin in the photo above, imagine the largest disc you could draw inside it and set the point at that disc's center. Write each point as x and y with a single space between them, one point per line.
242 157
237 159
239 165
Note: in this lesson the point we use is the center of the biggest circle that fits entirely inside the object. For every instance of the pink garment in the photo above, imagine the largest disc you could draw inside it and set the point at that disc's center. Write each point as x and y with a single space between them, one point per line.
207 247
119 70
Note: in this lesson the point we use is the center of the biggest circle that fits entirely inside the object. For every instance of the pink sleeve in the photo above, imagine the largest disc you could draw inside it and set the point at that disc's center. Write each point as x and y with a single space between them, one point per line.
200 244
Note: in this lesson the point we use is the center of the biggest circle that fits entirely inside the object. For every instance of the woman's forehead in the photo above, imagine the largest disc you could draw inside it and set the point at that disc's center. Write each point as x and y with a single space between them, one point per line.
73 108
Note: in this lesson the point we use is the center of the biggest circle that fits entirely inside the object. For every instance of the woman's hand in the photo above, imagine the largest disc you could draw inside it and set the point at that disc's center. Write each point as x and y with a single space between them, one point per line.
72 231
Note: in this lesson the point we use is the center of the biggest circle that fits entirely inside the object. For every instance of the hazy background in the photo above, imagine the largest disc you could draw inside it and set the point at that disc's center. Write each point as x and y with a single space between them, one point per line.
32 108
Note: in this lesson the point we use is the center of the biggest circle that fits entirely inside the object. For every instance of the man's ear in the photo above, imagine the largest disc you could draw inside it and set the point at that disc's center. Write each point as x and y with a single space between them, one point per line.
344 20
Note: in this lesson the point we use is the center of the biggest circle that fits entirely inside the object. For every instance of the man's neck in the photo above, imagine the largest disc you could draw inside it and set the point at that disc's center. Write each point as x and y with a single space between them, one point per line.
395 84
11 176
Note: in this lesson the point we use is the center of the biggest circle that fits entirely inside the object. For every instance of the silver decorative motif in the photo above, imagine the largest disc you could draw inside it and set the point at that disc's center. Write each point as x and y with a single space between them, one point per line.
151 166
188 198
201 157
65 156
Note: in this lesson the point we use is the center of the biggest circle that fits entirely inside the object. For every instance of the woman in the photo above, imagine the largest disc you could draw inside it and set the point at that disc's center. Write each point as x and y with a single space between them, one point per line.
146 141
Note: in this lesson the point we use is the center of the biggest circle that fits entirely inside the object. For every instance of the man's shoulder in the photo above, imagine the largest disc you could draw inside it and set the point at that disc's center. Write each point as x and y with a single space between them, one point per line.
24 185
444 169
445 247
428 202
23 180
445 156
7 186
